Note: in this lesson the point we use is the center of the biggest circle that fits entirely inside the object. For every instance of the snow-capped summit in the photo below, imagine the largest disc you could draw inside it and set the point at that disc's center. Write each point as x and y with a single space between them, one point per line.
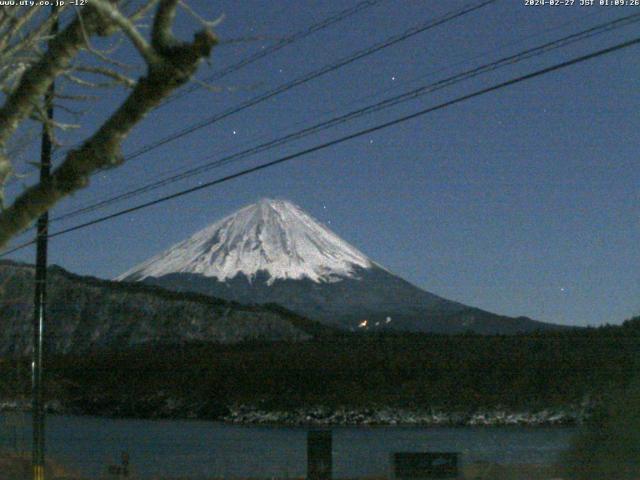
273 252
271 236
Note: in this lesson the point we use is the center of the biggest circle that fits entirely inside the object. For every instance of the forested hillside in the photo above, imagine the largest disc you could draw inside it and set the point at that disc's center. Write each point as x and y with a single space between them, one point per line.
459 372
87 314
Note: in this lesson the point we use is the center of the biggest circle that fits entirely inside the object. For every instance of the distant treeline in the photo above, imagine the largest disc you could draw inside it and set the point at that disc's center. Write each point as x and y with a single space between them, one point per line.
358 370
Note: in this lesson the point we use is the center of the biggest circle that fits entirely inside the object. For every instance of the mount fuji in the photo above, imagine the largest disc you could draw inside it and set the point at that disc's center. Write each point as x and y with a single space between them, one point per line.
274 252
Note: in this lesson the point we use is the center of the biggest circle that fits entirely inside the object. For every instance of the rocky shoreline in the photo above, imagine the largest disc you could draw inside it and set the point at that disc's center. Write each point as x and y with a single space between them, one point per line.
324 416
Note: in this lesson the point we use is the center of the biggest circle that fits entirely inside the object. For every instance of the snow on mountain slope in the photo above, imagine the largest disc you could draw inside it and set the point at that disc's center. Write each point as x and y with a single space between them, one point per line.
273 236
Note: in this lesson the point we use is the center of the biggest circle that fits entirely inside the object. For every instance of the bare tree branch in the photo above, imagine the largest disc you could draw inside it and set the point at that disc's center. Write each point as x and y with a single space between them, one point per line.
161 36
76 98
27 43
171 64
202 21
143 11
117 77
128 28
37 78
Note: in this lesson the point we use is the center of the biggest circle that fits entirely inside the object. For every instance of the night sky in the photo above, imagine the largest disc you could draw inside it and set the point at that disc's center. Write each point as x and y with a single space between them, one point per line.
525 201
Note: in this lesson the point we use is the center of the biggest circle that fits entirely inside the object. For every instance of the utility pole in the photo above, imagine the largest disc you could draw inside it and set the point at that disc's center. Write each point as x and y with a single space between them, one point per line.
40 300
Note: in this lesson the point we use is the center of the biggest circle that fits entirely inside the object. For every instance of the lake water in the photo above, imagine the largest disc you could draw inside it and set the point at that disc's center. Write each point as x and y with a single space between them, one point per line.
198 448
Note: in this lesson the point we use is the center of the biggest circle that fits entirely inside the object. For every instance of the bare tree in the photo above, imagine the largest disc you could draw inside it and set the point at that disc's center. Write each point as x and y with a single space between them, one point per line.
31 58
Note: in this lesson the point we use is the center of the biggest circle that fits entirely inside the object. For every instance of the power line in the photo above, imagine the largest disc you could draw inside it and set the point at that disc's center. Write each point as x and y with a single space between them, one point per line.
127 193
387 103
310 76
343 139
449 16
301 34
277 46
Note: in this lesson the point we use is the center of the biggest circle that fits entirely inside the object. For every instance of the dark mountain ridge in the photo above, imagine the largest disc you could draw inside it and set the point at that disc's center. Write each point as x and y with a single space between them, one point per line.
382 300
86 313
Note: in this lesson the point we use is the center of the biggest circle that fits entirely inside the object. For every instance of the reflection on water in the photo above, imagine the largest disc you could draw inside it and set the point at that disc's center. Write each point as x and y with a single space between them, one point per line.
197 448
